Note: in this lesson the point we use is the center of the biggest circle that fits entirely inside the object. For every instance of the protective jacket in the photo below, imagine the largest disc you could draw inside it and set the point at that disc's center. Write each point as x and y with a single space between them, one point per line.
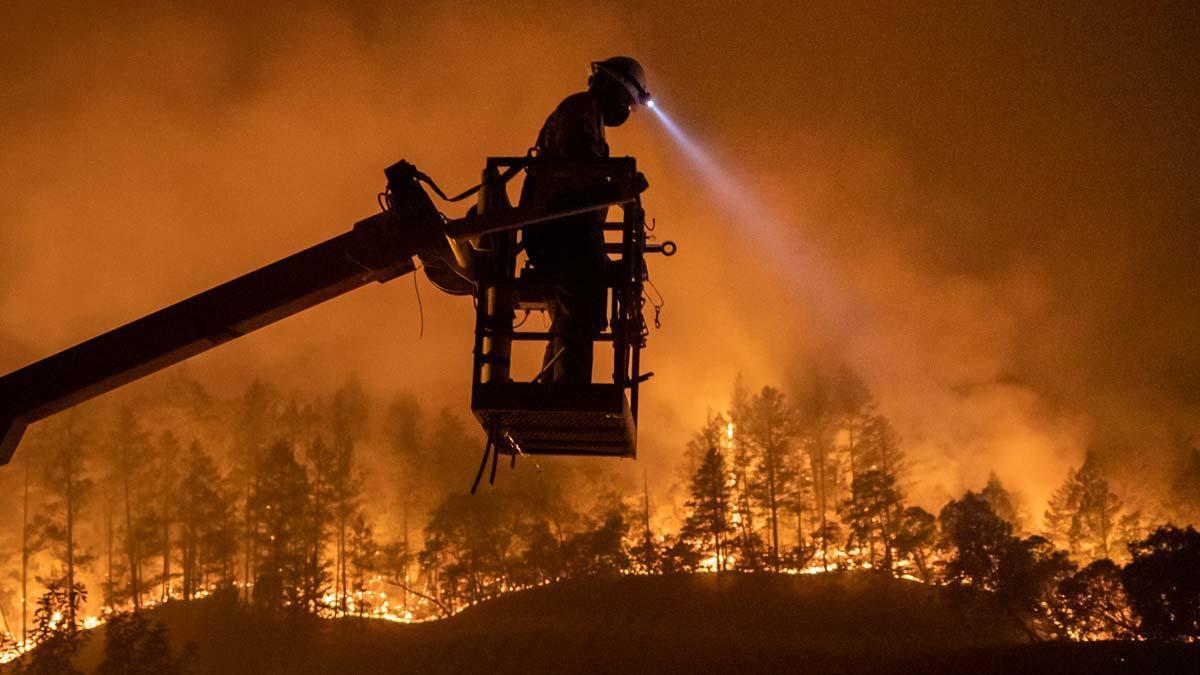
569 252
574 130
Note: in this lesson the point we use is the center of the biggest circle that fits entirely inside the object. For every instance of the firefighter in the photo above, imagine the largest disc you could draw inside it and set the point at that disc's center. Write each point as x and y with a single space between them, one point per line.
569 252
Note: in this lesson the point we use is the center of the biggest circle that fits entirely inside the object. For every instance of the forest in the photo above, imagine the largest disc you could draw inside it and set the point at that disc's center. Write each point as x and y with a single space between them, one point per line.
337 504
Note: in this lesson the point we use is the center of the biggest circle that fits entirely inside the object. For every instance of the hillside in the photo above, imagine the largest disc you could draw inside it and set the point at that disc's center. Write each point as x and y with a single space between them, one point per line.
835 623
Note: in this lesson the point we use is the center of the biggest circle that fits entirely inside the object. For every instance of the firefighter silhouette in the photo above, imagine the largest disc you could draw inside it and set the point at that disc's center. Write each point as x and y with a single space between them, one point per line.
569 252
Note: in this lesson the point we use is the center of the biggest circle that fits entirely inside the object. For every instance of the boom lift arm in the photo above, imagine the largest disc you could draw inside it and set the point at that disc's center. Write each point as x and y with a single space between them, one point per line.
377 249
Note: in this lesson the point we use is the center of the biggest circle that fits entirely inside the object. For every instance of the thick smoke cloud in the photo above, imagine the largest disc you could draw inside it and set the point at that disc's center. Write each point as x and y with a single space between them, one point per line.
988 212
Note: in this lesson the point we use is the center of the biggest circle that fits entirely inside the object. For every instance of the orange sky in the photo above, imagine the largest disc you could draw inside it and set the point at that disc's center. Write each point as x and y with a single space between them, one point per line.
991 213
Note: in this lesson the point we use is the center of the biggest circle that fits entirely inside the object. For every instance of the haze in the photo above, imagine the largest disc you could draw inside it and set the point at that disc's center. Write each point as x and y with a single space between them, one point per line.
990 213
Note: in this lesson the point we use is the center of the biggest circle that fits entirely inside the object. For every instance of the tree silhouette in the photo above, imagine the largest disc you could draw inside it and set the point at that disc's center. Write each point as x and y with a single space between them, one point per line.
880 448
647 554
916 537
710 522
56 631
168 455
134 645
255 416
855 408
600 547
67 489
1092 605
349 415
1083 513
362 554
872 513
750 547
203 506
679 556
818 424
129 450
280 504
1001 501
1027 574
1163 584
770 429
978 537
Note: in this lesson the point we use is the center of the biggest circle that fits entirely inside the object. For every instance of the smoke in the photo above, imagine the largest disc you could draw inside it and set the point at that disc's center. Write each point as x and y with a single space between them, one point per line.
987 214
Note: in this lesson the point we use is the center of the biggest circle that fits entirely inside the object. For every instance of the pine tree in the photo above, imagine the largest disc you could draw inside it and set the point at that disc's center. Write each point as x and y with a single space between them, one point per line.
349 423
1000 500
750 554
317 575
1084 514
771 430
128 450
1099 509
57 630
363 559
30 544
280 506
802 504
67 489
880 448
256 412
872 513
402 431
818 427
710 520
203 507
855 408
167 479
1061 517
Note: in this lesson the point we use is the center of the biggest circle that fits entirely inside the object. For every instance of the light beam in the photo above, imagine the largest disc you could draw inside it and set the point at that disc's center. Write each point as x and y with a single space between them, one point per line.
777 245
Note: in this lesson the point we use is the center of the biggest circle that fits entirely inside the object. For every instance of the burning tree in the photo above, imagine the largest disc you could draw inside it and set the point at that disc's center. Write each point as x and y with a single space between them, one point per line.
204 510
128 452
1084 513
281 508
916 537
770 429
818 423
1092 605
66 488
57 631
710 522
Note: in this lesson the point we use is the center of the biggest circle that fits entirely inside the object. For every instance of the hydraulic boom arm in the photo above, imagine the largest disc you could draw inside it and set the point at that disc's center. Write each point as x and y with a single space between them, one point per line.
378 248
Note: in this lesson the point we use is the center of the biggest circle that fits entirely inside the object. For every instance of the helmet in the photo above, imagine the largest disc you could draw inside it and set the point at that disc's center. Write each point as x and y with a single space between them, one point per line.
626 72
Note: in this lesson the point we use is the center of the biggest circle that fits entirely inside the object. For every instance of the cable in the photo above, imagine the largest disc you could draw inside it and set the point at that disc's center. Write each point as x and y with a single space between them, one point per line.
523 320
504 178
420 307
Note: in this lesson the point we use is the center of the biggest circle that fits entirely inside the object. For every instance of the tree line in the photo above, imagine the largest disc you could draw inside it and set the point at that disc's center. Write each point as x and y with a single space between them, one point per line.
316 505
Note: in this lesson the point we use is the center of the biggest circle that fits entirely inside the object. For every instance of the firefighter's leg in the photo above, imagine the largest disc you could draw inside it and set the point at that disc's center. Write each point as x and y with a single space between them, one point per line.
580 315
